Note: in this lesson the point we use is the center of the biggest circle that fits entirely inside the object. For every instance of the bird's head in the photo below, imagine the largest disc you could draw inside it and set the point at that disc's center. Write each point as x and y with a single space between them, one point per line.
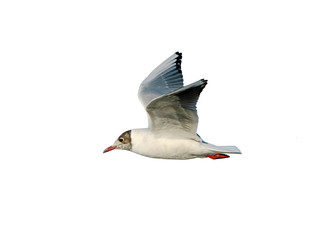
123 142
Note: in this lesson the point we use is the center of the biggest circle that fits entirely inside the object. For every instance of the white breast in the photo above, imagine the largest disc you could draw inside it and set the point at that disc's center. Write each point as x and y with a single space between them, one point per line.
147 144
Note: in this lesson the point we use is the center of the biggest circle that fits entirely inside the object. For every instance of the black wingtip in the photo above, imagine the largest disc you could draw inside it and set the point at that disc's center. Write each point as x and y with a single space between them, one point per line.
179 55
178 61
204 81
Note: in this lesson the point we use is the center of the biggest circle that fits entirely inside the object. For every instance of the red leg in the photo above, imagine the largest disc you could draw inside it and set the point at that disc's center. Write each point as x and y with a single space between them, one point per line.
217 156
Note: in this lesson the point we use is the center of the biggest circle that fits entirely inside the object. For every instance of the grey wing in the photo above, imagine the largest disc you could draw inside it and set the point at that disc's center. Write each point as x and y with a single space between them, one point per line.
175 113
166 78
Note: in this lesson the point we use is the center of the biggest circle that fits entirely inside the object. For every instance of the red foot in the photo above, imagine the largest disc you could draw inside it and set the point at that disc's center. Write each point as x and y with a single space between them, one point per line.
217 156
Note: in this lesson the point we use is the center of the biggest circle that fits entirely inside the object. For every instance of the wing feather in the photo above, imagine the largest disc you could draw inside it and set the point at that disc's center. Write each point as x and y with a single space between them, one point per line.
164 79
176 113
171 107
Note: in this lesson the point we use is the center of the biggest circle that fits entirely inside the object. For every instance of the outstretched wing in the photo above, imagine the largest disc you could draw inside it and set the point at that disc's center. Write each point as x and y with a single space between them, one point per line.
175 113
166 78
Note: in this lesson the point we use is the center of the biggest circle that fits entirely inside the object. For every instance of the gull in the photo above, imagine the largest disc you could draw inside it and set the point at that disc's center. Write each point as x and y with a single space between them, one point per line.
173 118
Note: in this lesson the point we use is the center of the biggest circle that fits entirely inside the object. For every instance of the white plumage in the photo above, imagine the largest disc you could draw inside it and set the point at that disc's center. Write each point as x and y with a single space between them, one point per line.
173 118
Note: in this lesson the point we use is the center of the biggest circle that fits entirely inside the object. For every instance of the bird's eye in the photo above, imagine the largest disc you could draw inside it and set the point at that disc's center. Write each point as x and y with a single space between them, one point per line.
121 139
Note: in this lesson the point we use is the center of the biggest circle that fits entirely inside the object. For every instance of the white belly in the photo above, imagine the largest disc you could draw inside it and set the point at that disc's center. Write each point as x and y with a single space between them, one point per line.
159 147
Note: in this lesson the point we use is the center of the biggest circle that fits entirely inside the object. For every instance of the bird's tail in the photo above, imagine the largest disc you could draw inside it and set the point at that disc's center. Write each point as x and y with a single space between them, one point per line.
224 149
217 152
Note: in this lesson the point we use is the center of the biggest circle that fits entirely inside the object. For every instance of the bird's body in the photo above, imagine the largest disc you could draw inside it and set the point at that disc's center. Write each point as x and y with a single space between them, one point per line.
173 118
152 145
145 143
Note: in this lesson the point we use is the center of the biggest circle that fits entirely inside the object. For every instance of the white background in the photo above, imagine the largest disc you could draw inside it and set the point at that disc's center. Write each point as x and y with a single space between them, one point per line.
70 71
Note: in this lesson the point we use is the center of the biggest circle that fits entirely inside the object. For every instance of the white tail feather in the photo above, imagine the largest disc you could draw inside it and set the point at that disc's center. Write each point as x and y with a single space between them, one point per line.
224 149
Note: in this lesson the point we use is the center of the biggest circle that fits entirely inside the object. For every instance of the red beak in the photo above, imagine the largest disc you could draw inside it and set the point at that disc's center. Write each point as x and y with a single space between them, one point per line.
109 149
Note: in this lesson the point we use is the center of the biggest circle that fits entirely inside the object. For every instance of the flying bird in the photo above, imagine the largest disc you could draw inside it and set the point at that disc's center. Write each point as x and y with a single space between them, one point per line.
173 118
